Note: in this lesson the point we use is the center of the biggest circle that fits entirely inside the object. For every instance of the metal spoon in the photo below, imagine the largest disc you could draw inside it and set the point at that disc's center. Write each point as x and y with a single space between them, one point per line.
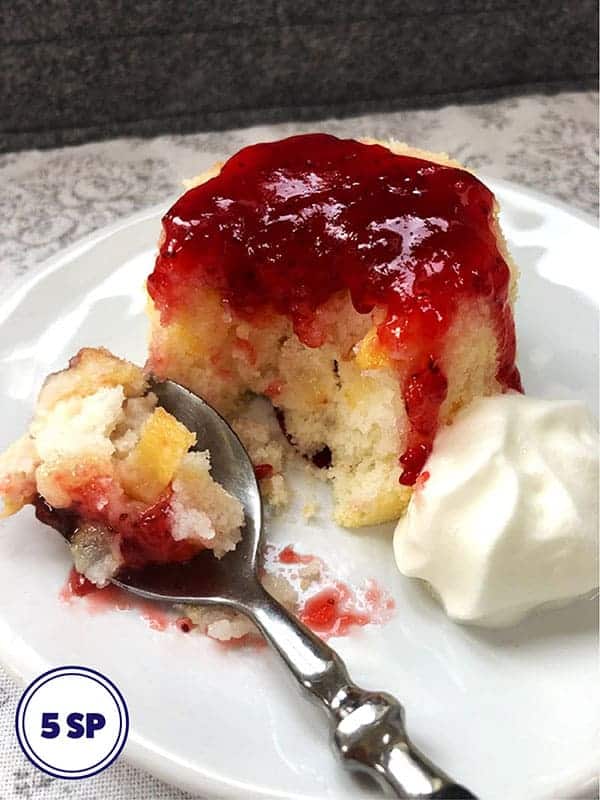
367 727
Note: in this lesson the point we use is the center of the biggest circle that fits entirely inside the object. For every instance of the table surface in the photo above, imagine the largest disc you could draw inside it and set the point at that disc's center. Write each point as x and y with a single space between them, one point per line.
51 198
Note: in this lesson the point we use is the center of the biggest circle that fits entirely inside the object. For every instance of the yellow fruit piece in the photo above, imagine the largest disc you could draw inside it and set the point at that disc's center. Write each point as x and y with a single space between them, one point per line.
370 354
151 465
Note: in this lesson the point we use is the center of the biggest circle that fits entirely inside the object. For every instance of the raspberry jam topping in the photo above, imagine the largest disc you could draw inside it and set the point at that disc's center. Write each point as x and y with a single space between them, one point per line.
148 539
145 537
288 224
263 471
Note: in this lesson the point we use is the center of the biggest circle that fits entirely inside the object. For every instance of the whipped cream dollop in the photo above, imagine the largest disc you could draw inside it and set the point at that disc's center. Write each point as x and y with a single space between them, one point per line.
505 516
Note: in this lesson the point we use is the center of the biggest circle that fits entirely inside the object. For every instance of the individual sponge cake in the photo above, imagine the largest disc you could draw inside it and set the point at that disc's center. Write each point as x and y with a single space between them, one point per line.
364 289
114 472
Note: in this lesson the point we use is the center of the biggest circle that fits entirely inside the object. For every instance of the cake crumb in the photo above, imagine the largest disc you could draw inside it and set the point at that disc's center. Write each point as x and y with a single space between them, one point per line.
265 446
275 491
224 625
310 573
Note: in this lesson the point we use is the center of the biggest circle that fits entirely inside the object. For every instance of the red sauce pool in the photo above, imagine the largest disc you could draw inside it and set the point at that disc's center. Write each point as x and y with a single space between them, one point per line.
77 586
288 224
289 556
184 624
335 610
111 597
324 613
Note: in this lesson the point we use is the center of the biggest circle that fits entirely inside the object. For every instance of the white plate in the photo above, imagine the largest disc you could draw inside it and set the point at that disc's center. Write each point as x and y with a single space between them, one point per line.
511 714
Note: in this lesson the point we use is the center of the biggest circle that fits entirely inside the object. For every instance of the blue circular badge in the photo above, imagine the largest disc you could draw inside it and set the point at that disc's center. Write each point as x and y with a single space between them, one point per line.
72 722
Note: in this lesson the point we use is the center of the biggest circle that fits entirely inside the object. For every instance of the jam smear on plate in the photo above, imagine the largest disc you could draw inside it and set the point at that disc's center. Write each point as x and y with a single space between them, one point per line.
324 613
329 606
107 598
289 556
63 520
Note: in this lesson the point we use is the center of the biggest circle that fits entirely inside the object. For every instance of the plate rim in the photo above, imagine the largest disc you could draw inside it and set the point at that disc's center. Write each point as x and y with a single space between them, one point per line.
138 753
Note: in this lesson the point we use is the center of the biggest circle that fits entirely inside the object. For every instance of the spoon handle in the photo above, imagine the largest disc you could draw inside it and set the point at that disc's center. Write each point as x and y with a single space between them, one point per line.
368 727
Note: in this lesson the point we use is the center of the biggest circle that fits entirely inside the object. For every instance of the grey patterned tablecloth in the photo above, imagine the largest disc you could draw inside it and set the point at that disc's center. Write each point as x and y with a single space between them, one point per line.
49 199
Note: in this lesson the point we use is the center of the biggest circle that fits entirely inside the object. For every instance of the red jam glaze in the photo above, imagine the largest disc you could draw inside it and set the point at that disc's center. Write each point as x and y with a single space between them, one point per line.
147 538
263 471
287 224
